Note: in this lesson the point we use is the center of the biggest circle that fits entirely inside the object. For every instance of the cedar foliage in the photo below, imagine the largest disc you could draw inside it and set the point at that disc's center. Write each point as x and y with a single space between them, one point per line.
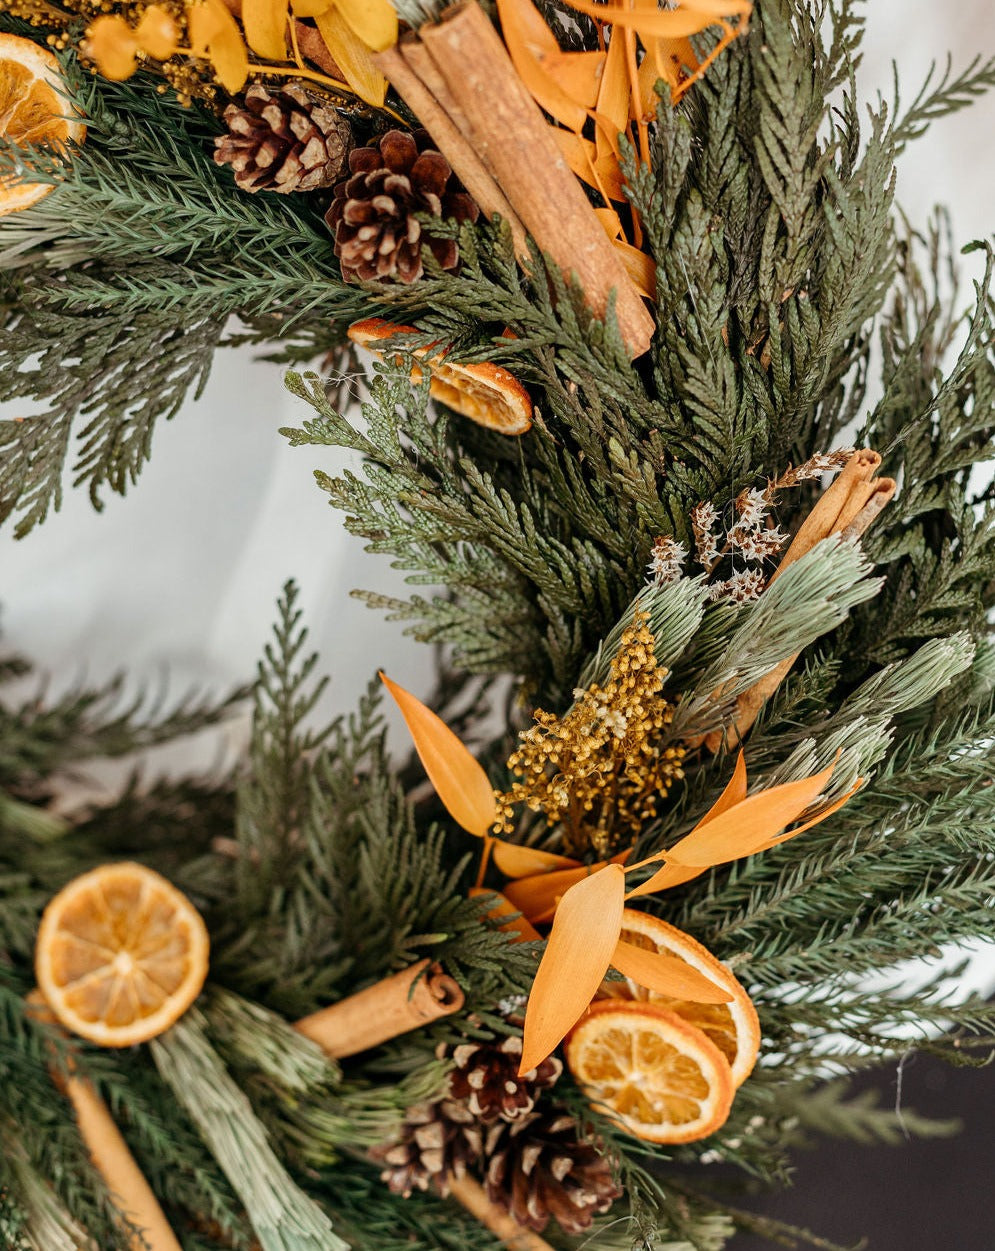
786 278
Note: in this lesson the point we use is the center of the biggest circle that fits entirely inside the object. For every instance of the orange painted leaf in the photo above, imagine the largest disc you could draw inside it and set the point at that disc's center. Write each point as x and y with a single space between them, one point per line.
579 950
516 861
640 267
265 24
734 792
459 780
663 879
690 18
612 116
537 896
352 56
530 41
819 816
749 826
517 924
667 975
310 8
215 35
372 21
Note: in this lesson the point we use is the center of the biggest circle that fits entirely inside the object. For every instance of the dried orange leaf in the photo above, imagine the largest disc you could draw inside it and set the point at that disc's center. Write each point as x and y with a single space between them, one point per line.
214 34
667 975
265 24
458 778
157 32
373 21
516 861
112 44
663 879
516 924
640 267
819 816
530 41
537 896
734 793
612 116
692 16
584 936
352 56
749 826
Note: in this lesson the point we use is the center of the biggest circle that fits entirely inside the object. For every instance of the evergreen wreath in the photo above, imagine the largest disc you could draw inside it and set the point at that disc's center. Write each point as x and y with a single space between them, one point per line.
627 273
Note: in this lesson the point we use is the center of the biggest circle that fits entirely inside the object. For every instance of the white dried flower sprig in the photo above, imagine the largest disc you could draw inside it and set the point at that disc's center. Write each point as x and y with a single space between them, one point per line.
753 537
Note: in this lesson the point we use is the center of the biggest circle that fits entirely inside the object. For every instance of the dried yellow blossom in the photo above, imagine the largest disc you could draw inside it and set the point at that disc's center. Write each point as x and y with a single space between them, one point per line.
600 769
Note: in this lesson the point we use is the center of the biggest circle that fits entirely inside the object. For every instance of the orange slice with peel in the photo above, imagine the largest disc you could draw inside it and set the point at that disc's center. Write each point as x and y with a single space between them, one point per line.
653 1074
33 113
121 954
486 393
733 1027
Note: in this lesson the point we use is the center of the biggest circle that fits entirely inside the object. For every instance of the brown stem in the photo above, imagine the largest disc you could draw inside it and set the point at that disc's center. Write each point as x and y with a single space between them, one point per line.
414 997
514 1236
506 128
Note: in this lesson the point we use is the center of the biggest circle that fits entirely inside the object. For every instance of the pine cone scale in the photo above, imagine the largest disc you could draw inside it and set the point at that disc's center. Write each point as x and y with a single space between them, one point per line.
284 140
374 214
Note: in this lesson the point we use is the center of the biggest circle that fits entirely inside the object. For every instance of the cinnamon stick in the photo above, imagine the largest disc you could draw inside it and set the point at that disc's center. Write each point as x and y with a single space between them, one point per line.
514 1236
396 1005
410 71
129 1191
847 507
504 125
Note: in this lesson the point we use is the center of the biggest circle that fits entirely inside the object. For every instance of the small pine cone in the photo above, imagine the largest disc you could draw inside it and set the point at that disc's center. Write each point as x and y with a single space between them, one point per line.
486 1079
437 1141
537 1169
377 235
285 139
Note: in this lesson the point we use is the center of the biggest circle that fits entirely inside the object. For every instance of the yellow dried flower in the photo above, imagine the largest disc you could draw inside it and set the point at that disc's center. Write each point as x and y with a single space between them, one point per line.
600 769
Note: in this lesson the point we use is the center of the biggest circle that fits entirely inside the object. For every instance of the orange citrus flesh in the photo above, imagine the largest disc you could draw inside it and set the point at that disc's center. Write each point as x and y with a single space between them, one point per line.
652 1073
486 393
733 1027
32 113
121 954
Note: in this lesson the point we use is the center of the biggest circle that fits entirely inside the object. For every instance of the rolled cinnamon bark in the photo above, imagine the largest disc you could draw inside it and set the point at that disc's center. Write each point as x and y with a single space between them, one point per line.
129 1191
847 507
396 1005
514 1236
505 127
410 71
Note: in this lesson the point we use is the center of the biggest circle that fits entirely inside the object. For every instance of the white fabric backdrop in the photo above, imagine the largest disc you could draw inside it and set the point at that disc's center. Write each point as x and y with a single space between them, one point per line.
181 575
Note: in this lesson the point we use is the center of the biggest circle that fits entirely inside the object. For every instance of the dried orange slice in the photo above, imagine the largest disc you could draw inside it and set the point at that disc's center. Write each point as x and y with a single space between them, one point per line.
734 1027
33 112
655 1075
487 394
121 954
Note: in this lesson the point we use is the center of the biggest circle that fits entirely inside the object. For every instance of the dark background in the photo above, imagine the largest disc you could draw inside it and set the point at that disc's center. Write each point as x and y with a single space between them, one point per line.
934 1195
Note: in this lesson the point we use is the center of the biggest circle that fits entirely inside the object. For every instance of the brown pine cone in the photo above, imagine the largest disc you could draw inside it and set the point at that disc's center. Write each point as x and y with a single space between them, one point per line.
538 1169
486 1078
377 235
283 139
436 1141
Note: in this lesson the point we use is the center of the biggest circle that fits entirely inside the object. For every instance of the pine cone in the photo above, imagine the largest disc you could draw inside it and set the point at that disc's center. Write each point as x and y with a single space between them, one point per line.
436 1141
283 140
373 214
539 1169
486 1079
